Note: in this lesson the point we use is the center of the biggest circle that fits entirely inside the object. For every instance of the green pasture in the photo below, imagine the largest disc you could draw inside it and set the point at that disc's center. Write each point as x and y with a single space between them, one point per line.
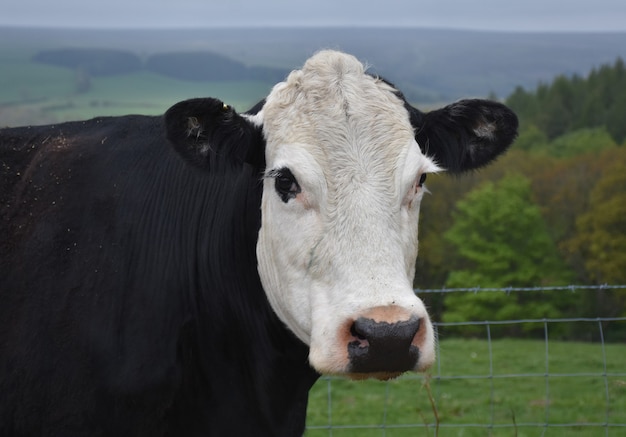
476 391
32 93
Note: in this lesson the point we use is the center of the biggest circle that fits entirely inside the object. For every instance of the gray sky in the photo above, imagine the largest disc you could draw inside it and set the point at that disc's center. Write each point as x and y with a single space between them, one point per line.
515 15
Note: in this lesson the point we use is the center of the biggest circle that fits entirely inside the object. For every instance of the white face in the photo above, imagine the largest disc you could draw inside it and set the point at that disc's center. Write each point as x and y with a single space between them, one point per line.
338 240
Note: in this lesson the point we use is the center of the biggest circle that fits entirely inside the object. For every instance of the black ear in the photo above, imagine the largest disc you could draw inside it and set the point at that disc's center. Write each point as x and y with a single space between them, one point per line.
204 130
465 135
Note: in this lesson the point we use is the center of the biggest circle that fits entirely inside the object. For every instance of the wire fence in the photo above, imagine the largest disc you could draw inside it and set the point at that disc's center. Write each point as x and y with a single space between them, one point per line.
489 384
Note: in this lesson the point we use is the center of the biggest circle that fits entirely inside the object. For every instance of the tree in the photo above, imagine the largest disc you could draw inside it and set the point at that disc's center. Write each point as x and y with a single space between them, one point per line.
600 242
615 118
532 139
502 241
601 237
437 256
581 141
499 231
570 103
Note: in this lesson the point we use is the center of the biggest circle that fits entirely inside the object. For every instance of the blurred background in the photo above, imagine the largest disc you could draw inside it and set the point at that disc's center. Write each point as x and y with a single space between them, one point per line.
558 64
545 227
74 59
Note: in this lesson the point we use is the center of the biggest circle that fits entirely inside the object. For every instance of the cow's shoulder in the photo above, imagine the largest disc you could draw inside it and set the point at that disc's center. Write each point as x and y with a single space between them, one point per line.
20 145
40 160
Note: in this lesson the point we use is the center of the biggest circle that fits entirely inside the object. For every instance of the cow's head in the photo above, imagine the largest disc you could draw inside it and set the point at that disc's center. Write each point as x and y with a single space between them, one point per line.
345 162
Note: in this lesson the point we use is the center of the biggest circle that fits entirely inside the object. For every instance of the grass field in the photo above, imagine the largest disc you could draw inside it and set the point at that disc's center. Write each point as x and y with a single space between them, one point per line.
478 392
32 93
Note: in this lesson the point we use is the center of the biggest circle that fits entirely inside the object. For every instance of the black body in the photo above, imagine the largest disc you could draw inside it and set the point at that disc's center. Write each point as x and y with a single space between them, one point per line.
130 303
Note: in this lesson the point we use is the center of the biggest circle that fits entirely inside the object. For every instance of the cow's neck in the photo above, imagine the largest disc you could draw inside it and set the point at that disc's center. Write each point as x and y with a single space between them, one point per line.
238 342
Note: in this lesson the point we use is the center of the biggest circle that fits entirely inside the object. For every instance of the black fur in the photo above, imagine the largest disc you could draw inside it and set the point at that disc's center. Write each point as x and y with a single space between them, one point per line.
202 128
449 134
130 304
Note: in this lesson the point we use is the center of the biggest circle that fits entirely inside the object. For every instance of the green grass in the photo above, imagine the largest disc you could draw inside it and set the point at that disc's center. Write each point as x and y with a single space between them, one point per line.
516 401
147 93
32 93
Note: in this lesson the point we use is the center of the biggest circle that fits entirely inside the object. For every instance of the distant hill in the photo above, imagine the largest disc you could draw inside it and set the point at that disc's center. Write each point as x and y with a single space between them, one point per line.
429 65
97 62
201 66
208 66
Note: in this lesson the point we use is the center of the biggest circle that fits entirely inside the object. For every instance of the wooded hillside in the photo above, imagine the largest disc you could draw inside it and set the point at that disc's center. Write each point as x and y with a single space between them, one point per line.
552 211
572 103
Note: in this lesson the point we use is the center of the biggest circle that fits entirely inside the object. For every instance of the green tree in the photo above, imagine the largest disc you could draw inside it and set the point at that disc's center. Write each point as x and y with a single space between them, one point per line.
570 103
581 141
502 241
601 237
523 102
558 109
616 116
600 241
501 234
532 139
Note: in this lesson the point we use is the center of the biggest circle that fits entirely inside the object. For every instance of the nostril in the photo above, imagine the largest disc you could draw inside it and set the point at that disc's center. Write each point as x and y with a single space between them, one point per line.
360 338
383 346
356 330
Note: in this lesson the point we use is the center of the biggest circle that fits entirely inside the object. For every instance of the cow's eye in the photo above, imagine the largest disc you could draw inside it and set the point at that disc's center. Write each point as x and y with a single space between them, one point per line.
286 184
417 186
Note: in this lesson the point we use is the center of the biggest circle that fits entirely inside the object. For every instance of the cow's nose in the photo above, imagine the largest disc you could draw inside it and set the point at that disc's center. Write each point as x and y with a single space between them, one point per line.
379 346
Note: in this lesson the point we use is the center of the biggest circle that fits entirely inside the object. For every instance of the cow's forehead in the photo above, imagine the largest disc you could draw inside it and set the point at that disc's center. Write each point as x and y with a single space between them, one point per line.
338 112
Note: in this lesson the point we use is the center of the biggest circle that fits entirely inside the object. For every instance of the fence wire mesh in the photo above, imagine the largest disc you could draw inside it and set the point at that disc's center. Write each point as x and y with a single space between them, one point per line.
489 384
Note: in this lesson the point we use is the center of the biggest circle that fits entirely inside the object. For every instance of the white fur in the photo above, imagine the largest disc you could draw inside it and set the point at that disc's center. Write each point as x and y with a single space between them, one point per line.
348 241
255 119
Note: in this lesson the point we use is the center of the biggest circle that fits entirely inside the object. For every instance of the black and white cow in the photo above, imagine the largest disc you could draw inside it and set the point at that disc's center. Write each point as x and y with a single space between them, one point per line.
193 274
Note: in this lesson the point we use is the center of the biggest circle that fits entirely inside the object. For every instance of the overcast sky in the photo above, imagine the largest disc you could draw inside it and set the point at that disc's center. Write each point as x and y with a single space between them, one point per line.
514 15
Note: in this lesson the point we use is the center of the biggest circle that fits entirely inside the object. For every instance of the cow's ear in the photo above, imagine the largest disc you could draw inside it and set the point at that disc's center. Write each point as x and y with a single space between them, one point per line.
204 130
465 135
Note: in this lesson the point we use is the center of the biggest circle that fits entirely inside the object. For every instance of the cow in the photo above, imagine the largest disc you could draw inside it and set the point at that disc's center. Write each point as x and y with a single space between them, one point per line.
193 274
